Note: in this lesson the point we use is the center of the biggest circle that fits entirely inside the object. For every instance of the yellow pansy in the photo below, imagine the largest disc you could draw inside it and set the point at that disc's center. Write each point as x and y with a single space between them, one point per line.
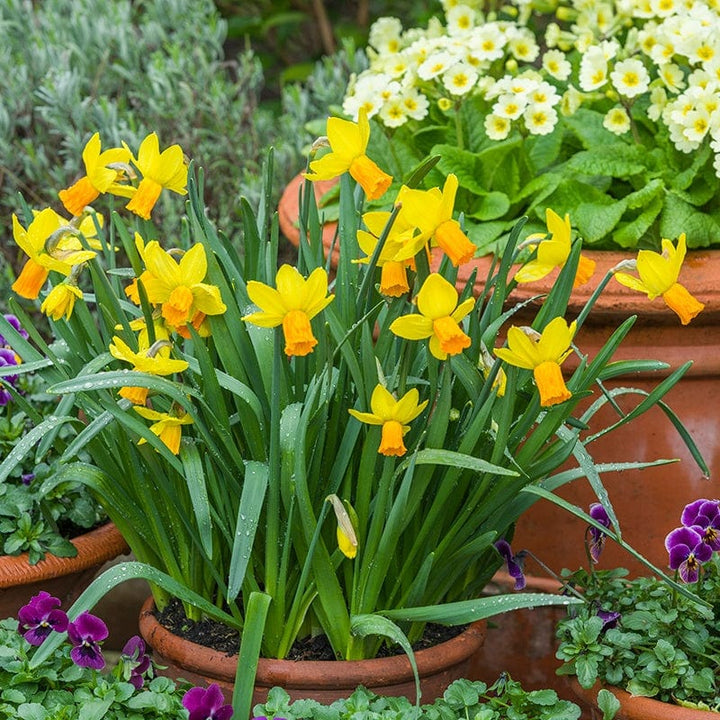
543 353
348 143
61 300
166 426
431 211
103 170
50 244
393 415
553 252
438 318
293 304
166 169
659 276
178 287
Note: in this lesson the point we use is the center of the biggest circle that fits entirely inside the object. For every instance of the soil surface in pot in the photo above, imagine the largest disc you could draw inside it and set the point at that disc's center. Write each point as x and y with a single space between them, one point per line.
220 637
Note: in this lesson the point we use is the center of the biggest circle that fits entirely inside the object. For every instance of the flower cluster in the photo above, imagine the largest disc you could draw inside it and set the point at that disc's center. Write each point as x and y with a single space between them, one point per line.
42 616
693 544
661 58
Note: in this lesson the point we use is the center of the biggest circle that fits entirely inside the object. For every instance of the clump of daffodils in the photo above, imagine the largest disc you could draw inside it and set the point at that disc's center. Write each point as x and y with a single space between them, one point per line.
640 62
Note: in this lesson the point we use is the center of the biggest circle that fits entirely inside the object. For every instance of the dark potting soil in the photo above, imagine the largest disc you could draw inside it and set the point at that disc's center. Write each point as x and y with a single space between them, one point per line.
224 639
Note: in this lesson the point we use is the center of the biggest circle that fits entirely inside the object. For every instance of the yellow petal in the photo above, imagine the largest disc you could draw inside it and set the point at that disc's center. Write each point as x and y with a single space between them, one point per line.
412 327
408 408
437 297
382 402
447 203
347 138
369 418
208 300
193 265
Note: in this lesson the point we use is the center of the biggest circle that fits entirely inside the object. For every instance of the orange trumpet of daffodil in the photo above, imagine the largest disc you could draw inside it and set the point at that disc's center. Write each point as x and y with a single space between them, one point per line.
393 415
431 212
103 170
543 353
438 318
553 252
293 304
348 143
659 276
166 169
178 287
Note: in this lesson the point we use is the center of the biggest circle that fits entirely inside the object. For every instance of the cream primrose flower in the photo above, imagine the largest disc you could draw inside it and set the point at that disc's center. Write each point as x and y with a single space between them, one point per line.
593 69
459 79
540 119
523 47
435 65
394 113
460 21
617 121
672 77
488 43
556 65
510 106
496 127
415 103
630 78
385 35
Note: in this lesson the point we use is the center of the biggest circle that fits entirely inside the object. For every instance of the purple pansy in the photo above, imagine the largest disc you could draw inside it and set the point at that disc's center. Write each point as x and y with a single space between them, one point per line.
85 633
687 552
7 358
704 514
598 537
609 617
16 324
514 562
136 661
27 478
206 704
41 616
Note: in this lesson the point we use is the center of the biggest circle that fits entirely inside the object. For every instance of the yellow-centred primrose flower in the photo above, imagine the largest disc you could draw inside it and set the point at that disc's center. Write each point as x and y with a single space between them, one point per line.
393 415
293 304
659 276
166 169
438 318
431 212
348 143
178 287
553 252
543 353
103 171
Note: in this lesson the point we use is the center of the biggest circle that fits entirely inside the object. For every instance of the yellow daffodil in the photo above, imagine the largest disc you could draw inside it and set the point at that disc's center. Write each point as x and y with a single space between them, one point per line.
543 353
154 360
394 416
61 300
659 276
178 287
431 211
103 170
50 244
166 169
438 319
346 535
553 252
293 304
348 143
394 257
167 427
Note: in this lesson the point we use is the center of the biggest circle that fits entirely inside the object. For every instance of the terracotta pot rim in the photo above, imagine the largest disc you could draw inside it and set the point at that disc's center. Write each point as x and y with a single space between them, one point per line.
615 299
291 673
94 548
636 707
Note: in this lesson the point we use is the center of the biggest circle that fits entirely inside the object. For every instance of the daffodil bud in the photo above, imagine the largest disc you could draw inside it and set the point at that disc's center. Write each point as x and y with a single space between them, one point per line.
346 536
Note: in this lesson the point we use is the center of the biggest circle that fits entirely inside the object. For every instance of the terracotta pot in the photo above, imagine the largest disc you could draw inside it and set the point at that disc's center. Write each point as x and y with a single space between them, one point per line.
648 502
638 708
324 681
64 578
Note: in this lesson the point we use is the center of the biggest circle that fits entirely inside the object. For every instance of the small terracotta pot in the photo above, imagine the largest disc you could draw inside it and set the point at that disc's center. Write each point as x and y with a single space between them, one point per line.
65 578
324 681
638 708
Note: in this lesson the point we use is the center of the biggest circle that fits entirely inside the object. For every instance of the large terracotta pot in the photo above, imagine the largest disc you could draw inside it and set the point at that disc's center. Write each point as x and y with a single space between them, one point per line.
638 708
647 502
64 578
324 681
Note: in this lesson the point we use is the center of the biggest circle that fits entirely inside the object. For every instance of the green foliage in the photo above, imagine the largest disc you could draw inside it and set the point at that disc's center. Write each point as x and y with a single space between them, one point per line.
463 699
60 690
34 517
666 645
